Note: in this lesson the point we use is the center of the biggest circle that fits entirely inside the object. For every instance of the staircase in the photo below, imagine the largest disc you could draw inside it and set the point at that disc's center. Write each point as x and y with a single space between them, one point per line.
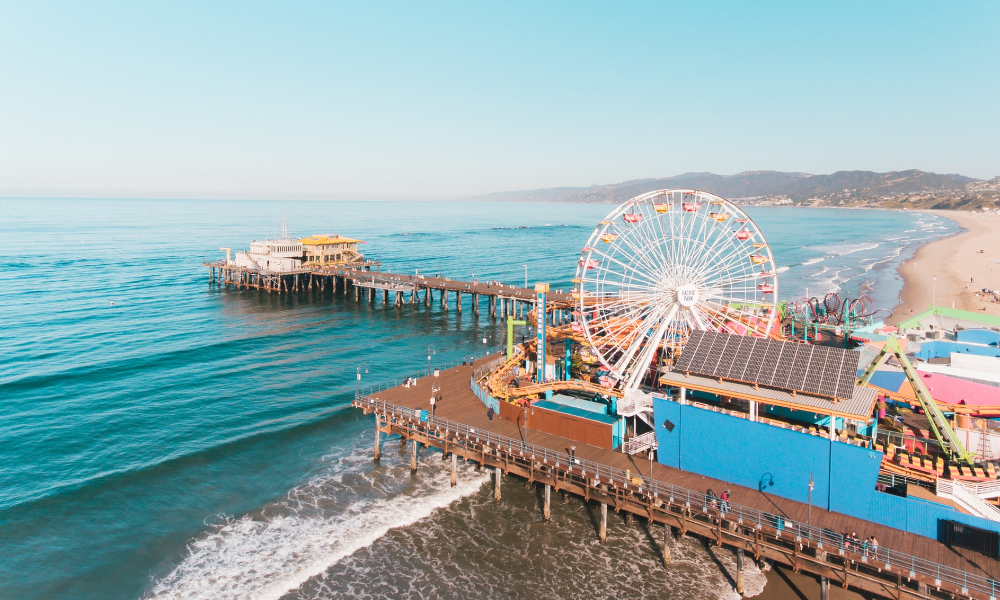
637 403
640 443
967 499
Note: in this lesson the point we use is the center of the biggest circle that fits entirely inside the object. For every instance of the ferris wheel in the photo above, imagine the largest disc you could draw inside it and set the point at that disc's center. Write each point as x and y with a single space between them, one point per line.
663 264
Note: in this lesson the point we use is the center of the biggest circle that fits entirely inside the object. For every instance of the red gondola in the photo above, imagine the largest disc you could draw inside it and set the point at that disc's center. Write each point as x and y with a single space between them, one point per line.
743 234
631 217
690 206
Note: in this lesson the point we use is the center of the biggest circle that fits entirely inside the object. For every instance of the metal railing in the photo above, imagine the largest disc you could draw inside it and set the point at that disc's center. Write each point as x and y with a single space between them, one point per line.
893 480
373 388
967 498
698 502
639 443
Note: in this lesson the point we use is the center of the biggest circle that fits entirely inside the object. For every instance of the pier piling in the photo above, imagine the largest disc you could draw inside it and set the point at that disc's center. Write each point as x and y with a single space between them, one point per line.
824 588
378 433
604 524
413 456
739 571
547 507
454 469
666 545
497 474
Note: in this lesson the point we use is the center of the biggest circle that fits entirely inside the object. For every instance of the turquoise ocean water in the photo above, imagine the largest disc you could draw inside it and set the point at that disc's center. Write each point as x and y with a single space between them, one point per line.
192 442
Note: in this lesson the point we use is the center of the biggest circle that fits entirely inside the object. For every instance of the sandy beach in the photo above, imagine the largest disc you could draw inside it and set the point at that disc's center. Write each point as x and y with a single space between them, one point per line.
949 272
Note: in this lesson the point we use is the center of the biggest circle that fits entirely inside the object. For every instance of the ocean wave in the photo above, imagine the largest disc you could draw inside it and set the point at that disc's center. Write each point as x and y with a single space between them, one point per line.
845 249
813 261
265 556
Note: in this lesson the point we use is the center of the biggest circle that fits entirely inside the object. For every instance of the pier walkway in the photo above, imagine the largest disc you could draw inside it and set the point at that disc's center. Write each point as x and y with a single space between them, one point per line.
767 526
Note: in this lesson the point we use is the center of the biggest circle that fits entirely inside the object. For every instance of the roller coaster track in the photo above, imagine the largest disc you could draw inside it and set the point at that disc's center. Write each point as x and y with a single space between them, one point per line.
838 311
582 386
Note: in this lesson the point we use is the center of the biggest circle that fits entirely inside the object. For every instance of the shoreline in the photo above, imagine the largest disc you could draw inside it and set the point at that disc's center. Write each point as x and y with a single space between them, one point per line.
948 271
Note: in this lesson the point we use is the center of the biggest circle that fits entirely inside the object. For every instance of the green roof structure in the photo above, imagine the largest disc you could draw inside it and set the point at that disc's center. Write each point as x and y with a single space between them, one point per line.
985 320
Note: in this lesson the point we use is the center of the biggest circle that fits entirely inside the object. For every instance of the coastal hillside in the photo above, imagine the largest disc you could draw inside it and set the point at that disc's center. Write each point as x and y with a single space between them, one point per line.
895 189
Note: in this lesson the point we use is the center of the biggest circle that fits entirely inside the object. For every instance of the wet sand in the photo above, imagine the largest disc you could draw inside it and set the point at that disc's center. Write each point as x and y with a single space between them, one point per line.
958 265
783 584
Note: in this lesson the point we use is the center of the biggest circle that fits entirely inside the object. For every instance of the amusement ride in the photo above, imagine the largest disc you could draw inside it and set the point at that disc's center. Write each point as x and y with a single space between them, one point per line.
666 263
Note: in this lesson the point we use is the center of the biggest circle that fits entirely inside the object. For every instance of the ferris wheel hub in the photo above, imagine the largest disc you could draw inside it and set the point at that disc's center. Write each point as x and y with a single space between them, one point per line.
687 295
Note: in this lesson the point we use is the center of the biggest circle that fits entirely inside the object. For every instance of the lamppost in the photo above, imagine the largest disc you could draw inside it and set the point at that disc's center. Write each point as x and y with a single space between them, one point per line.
934 290
430 350
525 276
357 393
434 389
812 484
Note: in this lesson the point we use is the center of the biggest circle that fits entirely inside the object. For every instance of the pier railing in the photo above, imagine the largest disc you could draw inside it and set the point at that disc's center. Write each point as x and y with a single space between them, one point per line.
700 502
374 388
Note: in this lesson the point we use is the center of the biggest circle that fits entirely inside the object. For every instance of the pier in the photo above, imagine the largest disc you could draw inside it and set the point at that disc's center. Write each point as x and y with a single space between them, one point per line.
362 284
753 524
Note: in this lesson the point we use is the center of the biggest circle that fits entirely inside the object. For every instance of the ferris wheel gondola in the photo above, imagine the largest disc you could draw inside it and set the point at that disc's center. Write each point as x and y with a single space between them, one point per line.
650 274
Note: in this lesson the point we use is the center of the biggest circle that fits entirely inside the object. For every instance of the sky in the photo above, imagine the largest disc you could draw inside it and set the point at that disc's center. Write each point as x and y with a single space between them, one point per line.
440 100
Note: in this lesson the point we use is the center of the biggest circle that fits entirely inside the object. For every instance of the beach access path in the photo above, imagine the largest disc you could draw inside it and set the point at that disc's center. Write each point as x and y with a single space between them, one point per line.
959 266
458 403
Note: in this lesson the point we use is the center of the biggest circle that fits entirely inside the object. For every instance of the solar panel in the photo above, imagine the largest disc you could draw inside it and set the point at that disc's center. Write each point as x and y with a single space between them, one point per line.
771 368
813 382
816 370
696 360
690 349
848 375
799 368
755 361
740 358
723 349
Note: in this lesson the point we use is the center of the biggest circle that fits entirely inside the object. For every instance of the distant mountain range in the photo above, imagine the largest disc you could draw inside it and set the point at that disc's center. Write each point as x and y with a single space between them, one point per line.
896 189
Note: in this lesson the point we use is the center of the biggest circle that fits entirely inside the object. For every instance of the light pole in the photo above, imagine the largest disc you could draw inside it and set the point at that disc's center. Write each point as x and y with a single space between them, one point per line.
430 350
525 276
812 484
934 290
434 388
357 393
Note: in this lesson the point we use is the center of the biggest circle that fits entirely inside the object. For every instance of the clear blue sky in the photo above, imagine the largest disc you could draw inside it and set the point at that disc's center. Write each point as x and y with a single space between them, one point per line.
443 100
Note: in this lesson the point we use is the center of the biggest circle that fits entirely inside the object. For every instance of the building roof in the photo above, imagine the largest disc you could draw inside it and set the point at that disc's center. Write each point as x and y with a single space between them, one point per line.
323 239
947 318
953 391
859 406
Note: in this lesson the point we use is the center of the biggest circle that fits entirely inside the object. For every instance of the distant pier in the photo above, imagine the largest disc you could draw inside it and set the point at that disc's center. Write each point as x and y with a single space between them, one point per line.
360 283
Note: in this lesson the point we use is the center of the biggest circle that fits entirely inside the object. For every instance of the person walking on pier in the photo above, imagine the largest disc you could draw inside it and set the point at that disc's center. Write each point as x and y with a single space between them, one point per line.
433 405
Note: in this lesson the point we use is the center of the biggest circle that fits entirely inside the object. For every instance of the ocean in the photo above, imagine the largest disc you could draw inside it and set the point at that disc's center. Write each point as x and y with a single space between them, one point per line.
162 438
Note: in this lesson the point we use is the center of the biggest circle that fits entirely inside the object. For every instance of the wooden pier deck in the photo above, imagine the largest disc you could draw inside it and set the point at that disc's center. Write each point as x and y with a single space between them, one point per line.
907 577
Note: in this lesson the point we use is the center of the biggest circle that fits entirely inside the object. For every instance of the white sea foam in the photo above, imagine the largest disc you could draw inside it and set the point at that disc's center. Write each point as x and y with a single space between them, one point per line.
781 269
813 261
265 557
845 249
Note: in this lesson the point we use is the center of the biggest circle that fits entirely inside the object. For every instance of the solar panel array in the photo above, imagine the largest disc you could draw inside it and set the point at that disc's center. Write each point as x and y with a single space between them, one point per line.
818 370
